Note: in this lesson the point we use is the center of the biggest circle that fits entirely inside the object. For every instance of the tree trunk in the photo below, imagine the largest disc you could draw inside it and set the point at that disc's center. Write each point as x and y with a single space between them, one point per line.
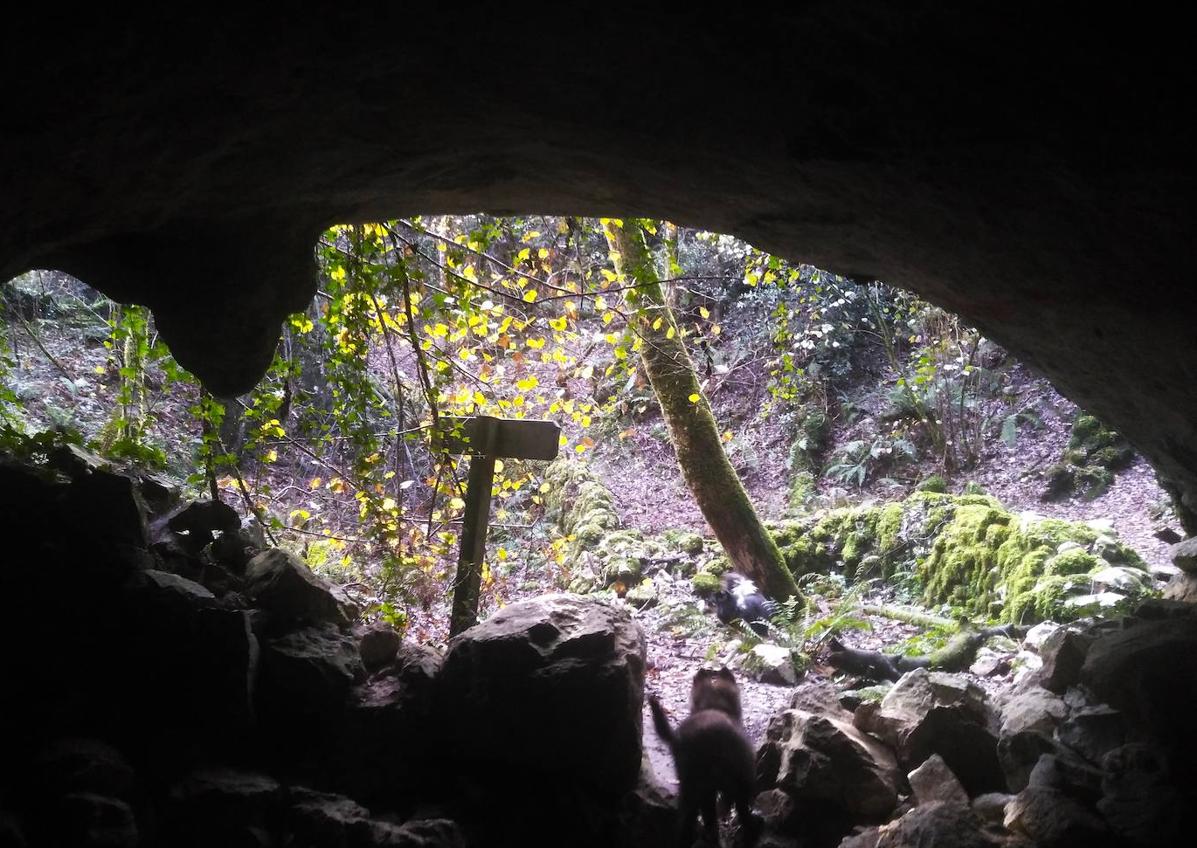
708 473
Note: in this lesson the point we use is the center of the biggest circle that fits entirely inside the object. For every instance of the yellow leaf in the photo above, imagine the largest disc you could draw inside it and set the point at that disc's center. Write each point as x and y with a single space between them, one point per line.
456 503
530 295
704 312
657 324
314 483
543 253
695 398
671 332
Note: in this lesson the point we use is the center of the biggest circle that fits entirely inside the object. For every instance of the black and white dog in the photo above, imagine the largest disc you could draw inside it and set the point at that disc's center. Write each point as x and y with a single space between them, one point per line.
738 597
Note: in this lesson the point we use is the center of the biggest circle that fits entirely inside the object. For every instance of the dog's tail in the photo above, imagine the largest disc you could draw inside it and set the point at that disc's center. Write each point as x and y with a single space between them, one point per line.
661 722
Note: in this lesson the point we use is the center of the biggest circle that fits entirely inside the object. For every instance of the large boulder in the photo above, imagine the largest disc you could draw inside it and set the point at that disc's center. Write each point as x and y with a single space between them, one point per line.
282 583
1182 587
104 520
320 819
935 825
1148 670
378 646
188 659
303 690
1142 799
1184 555
550 686
1063 655
1054 820
1033 709
929 713
827 763
220 806
391 733
934 782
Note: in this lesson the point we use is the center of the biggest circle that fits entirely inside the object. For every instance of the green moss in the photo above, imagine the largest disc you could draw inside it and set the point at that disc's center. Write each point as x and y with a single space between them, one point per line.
973 488
686 541
966 551
1044 600
643 595
705 583
1113 457
1084 428
889 525
621 569
1094 453
1092 481
934 483
960 569
802 489
1072 561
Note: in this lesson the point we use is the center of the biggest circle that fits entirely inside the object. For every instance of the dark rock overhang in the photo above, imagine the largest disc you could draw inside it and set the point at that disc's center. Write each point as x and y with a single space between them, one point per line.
1035 175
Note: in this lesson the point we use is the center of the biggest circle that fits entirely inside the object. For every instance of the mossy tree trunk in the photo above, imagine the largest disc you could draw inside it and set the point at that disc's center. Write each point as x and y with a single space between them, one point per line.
692 429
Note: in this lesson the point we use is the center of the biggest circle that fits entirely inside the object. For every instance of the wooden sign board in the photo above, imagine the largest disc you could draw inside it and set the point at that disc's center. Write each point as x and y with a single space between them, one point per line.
515 439
485 438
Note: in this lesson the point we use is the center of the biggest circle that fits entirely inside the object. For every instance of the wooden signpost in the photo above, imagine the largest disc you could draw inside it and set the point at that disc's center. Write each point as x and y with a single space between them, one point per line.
485 439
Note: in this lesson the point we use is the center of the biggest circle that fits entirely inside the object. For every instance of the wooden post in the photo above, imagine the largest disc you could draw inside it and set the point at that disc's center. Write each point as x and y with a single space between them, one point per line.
485 438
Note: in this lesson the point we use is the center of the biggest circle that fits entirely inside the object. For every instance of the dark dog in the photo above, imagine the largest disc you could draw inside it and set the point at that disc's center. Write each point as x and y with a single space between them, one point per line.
738 598
713 756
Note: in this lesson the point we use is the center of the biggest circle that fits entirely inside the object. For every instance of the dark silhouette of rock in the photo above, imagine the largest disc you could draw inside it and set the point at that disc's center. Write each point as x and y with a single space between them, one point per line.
391 738
564 677
1141 798
306 676
1054 820
1148 670
223 806
378 646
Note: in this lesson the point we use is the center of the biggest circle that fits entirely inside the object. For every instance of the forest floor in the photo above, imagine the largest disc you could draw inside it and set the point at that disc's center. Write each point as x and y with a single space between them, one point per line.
651 495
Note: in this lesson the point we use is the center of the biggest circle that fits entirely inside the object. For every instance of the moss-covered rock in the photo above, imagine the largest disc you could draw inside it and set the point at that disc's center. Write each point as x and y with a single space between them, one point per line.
686 541
578 503
802 490
643 595
583 510
967 551
705 583
934 483
1093 455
